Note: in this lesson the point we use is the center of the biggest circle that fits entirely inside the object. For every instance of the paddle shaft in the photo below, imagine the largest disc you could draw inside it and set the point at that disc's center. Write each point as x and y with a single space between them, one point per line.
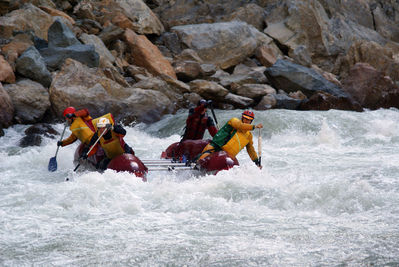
260 146
214 117
62 135
91 148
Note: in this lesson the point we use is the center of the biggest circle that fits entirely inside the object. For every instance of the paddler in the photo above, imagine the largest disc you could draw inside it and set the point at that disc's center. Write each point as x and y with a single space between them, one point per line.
198 121
111 142
234 136
80 125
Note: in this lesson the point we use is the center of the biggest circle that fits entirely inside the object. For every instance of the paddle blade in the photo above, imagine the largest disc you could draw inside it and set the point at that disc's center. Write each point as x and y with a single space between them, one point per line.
52 165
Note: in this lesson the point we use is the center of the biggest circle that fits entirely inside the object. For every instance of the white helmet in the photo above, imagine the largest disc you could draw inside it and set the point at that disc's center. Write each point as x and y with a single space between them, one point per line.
102 122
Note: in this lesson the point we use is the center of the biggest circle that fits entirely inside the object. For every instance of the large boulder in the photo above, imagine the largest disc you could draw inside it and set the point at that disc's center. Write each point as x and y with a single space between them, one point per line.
30 100
99 46
60 35
382 57
31 65
325 29
140 17
55 56
79 86
82 87
326 101
29 17
208 89
144 106
292 77
371 88
183 12
223 44
147 55
6 72
16 47
6 108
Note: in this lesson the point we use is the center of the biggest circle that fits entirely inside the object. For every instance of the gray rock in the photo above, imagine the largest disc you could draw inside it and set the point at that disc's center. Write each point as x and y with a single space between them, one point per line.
59 35
238 101
223 44
30 100
31 65
286 102
292 77
55 56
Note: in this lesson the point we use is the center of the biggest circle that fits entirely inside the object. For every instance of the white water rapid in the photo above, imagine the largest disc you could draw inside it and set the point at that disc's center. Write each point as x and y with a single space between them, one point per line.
328 195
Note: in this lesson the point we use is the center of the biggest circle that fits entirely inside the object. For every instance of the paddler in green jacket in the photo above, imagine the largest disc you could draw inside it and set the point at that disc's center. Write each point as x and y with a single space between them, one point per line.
234 136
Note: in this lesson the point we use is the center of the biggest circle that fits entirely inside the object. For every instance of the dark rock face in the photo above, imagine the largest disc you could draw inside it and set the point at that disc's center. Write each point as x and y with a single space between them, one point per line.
55 56
292 77
6 108
31 65
371 88
30 140
326 101
42 129
59 35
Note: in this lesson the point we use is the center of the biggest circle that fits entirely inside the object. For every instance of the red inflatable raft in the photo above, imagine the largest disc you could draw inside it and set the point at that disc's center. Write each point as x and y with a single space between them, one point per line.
122 163
189 150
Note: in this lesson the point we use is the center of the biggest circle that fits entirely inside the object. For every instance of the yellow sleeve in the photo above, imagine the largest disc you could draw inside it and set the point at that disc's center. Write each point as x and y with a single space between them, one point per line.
239 125
72 138
251 150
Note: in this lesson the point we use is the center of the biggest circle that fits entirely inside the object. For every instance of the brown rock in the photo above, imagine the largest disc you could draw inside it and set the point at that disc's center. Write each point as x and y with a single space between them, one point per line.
54 12
6 109
371 88
147 55
265 55
6 72
326 101
27 18
15 48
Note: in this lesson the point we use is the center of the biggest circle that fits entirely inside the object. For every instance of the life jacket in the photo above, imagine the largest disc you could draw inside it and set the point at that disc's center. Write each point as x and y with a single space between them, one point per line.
223 135
113 147
109 116
82 129
234 139
196 127
239 140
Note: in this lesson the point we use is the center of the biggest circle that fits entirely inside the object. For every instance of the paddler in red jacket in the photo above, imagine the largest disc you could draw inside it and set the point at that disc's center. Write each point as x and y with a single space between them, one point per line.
111 142
80 125
234 136
198 121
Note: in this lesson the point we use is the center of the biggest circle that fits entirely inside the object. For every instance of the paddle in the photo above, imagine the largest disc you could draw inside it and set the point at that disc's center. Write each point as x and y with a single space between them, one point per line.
91 148
260 147
52 165
214 116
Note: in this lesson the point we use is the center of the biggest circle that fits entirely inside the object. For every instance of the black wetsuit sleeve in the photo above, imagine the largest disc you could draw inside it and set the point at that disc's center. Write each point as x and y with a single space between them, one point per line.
119 129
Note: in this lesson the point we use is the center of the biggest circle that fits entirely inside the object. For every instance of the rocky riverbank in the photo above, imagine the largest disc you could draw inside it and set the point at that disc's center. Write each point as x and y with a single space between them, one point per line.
143 59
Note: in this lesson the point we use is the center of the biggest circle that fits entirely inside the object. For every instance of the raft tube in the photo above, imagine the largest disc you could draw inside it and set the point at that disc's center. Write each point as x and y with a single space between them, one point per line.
121 163
188 149
217 161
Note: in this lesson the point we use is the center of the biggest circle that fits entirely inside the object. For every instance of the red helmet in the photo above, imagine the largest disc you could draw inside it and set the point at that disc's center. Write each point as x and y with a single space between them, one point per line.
247 114
69 110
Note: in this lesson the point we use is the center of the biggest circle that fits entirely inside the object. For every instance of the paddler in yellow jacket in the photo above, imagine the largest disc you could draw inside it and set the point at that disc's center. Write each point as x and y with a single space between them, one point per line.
111 142
234 136
80 125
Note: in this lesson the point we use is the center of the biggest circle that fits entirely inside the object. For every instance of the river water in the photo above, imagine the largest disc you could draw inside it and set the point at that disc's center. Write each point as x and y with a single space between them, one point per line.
328 195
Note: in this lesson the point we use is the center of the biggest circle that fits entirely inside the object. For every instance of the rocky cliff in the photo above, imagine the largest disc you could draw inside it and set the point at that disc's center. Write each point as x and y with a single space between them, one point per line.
143 59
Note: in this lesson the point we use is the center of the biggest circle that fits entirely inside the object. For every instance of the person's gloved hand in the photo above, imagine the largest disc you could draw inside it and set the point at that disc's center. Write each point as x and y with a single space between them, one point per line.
59 143
109 127
70 115
257 162
209 102
84 154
